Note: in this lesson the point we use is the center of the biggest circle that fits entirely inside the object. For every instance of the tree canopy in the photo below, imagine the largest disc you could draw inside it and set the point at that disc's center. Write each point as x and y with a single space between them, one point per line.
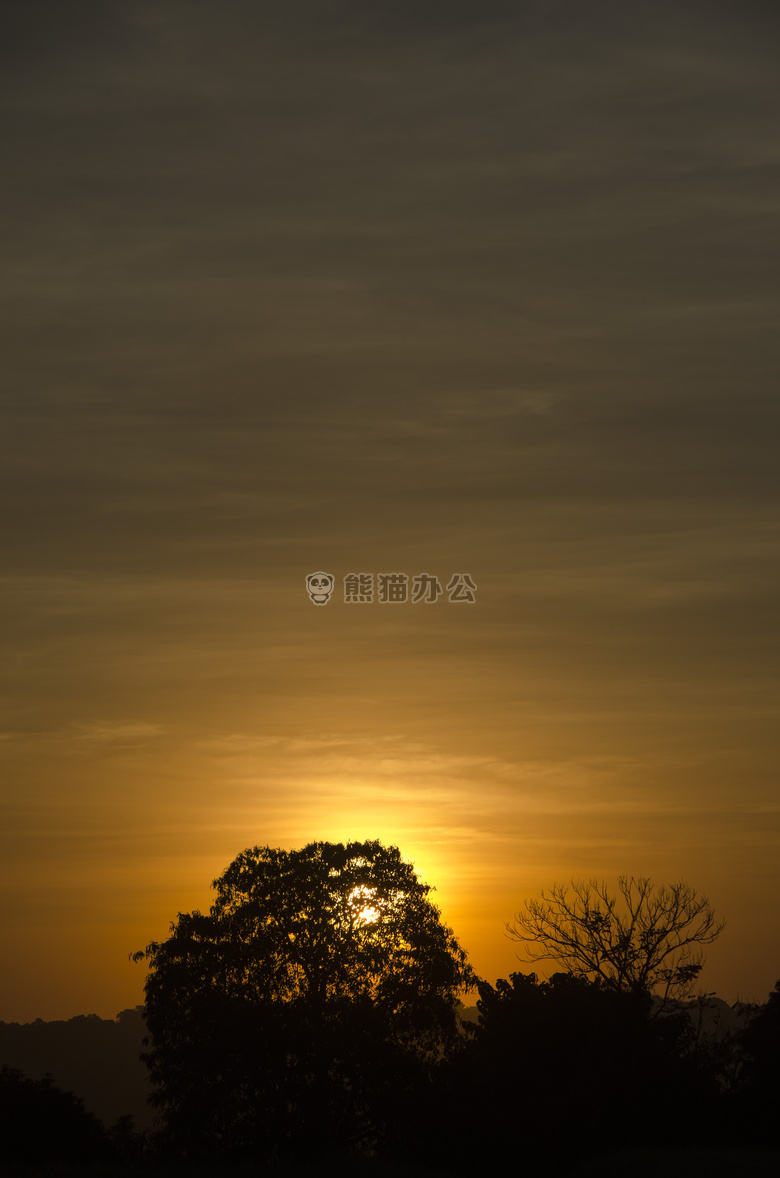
643 939
41 1124
315 993
561 1070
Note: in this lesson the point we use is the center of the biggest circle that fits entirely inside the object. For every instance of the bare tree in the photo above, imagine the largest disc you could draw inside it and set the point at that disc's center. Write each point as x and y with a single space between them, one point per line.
643 939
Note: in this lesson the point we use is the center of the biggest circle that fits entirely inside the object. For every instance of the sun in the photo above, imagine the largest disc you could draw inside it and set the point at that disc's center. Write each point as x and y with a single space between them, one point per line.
360 906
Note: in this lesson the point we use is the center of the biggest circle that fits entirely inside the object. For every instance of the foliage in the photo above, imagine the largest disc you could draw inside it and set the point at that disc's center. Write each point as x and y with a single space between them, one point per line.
761 1043
561 1070
643 940
310 1003
759 1097
40 1123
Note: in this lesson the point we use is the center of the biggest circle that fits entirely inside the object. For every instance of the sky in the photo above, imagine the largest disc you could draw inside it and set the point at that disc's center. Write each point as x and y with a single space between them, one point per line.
474 289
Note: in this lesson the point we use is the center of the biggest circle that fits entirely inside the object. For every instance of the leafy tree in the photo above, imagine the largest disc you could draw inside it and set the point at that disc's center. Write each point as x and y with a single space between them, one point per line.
643 939
759 1098
568 1068
39 1123
310 1003
761 1043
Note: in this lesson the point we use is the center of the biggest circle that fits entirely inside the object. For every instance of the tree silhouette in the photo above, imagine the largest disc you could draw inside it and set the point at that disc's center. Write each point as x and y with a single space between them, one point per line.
644 940
39 1123
562 1070
759 1098
309 1004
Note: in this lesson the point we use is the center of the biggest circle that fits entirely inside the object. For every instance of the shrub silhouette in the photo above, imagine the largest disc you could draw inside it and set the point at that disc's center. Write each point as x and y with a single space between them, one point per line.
41 1123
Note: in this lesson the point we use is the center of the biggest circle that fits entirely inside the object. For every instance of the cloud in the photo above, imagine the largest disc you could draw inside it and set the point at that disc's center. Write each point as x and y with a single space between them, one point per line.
108 732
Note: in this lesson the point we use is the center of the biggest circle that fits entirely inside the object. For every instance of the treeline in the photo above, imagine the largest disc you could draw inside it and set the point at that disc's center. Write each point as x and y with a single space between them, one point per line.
567 1070
552 1073
313 1014
98 1059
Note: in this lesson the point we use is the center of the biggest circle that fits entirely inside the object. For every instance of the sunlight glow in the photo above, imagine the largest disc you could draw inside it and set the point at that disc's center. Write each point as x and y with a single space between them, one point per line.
359 904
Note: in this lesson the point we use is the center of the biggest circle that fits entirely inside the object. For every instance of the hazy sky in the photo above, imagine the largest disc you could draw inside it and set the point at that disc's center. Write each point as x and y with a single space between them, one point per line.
341 285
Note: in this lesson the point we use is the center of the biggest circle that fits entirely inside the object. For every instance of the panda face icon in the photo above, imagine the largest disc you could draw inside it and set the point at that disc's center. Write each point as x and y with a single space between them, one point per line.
319 586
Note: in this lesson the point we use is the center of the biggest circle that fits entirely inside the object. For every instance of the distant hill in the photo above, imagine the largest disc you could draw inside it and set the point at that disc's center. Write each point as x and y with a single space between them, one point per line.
713 1018
95 1058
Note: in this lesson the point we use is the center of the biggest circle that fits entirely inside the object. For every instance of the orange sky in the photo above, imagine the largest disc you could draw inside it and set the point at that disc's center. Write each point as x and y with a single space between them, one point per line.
486 289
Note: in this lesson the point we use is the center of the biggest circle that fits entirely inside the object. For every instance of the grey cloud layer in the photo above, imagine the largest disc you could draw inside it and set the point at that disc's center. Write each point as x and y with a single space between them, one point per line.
285 278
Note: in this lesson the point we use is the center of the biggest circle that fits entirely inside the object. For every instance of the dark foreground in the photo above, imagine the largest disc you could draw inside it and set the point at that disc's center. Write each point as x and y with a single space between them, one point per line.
645 1163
